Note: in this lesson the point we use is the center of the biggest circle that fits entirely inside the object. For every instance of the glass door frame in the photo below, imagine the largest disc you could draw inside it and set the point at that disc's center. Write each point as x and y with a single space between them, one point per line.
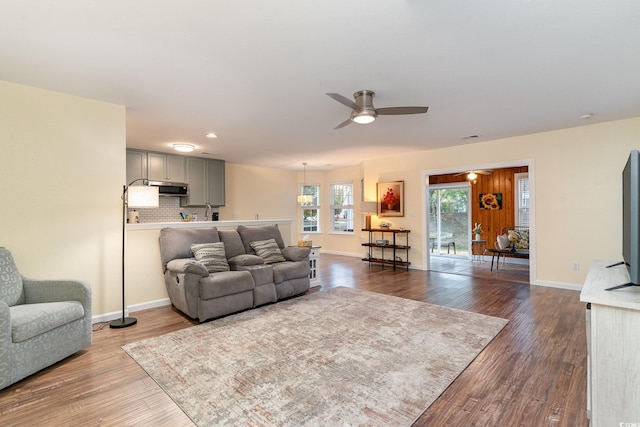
438 244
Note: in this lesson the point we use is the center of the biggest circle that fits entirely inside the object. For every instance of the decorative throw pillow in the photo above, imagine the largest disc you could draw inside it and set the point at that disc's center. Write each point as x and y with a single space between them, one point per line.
211 255
503 242
523 241
268 250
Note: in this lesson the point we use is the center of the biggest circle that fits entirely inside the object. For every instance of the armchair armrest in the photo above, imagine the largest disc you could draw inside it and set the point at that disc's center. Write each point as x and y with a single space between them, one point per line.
38 291
5 344
296 253
187 265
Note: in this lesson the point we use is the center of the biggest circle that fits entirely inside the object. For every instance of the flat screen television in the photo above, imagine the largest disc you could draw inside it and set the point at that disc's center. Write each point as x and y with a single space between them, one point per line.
631 219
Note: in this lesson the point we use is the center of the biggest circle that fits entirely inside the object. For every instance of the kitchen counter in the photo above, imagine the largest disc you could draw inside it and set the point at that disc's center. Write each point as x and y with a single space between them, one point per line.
202 224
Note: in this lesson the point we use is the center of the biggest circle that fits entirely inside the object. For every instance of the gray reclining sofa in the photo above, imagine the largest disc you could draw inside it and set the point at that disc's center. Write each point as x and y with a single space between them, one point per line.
211 273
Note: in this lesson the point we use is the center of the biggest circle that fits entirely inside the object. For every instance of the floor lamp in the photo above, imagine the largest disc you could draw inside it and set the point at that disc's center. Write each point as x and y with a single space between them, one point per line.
138 196
368 209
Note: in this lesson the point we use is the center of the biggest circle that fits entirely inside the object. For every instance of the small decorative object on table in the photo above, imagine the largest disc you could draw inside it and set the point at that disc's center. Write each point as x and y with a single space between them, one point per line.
477 230
305 242
513 238
384 224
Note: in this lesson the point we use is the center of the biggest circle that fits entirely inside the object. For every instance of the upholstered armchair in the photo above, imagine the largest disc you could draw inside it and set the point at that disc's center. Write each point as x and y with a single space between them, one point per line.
41 321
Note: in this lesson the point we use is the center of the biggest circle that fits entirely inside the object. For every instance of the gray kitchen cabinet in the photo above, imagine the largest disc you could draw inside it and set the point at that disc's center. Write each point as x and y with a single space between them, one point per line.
136 165
215 179
165 167
206 182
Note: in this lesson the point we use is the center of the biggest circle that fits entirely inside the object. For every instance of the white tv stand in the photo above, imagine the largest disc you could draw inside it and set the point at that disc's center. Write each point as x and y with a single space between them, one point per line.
613 347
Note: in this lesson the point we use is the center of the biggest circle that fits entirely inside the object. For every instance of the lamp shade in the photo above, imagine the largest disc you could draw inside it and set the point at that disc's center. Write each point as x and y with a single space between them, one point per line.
368 207
305 198
142 196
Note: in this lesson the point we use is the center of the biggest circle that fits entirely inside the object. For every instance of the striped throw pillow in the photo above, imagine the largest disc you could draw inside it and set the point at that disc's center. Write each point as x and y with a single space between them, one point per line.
268 250
212 255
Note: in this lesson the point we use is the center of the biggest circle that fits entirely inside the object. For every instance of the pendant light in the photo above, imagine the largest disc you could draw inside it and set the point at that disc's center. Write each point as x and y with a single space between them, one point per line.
304 198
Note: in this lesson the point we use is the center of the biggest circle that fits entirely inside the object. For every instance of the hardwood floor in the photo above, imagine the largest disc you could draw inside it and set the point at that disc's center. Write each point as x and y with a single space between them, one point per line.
532 374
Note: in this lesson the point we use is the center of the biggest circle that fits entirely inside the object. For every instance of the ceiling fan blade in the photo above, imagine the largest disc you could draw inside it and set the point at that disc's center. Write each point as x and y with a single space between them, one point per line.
392 111
484 172
344 101
343 124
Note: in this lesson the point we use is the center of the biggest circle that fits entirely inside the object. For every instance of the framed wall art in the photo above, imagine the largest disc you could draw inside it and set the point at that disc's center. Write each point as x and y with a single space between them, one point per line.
491 201
391 198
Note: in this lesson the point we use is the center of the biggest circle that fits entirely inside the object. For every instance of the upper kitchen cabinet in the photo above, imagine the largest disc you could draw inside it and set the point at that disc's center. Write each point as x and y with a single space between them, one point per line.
165 167
136 165
206 182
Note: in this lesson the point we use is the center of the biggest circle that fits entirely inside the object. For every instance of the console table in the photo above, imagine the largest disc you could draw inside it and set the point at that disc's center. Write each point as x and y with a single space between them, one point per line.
397 250
613 346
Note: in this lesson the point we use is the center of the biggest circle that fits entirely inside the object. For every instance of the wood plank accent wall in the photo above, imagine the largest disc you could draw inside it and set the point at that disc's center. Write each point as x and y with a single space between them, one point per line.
499 181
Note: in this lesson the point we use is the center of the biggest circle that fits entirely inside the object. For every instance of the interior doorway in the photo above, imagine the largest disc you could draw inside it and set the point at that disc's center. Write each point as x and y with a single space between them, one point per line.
449 219
497 182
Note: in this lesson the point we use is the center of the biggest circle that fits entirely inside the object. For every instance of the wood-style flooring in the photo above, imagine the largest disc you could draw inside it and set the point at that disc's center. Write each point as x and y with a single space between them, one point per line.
532 374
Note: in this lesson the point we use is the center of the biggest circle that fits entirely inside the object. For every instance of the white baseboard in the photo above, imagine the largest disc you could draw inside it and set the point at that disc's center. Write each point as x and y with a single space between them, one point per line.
351 254
107 317
559 285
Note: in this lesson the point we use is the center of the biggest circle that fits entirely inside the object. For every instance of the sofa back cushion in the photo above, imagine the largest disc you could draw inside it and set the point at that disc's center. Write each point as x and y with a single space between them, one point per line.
254 233
176 242
233 245
11 291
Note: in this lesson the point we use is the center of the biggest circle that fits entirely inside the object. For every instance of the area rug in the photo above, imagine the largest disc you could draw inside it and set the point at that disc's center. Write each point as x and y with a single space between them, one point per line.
341 357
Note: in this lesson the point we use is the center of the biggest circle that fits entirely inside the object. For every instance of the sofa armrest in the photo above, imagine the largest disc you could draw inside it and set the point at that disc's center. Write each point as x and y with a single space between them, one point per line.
296 253
187 265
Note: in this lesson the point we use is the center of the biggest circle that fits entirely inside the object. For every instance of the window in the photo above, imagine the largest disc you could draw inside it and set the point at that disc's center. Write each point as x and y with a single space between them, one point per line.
522 199
311 211
342 207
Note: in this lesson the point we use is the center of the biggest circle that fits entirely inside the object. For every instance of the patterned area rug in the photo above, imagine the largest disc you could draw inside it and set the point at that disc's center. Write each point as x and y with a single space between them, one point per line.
338 357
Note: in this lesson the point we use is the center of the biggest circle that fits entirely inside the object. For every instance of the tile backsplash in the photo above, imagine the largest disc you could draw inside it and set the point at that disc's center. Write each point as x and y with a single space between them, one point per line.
169 211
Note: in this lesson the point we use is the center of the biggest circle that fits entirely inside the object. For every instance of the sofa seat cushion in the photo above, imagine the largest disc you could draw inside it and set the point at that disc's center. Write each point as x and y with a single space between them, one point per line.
284 271
224 283
262 274
30 320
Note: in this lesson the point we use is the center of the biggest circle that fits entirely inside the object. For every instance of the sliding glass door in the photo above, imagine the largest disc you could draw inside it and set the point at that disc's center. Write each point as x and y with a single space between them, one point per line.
449 219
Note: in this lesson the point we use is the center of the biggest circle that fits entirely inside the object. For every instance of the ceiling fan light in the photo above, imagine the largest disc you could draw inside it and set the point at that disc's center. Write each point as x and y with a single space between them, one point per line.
364 117
472 175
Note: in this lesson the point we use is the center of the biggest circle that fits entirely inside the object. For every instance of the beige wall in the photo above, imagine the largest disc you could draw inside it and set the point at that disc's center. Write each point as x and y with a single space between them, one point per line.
576 174
63 166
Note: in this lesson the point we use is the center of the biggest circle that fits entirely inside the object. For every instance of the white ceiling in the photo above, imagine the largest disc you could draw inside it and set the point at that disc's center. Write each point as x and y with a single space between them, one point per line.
256 72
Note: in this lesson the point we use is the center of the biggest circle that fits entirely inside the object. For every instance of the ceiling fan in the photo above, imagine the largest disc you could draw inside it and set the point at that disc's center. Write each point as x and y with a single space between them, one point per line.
363 110
474 174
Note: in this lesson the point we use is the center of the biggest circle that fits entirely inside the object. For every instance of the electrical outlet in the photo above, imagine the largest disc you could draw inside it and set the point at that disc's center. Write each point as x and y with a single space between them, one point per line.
575 266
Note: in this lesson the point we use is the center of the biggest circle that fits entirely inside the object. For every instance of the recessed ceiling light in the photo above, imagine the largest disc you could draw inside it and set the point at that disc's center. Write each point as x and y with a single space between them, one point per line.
586 116
211 135
185 148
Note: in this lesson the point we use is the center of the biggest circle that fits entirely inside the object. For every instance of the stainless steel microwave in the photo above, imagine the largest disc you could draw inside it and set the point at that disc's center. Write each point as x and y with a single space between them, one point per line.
179 189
